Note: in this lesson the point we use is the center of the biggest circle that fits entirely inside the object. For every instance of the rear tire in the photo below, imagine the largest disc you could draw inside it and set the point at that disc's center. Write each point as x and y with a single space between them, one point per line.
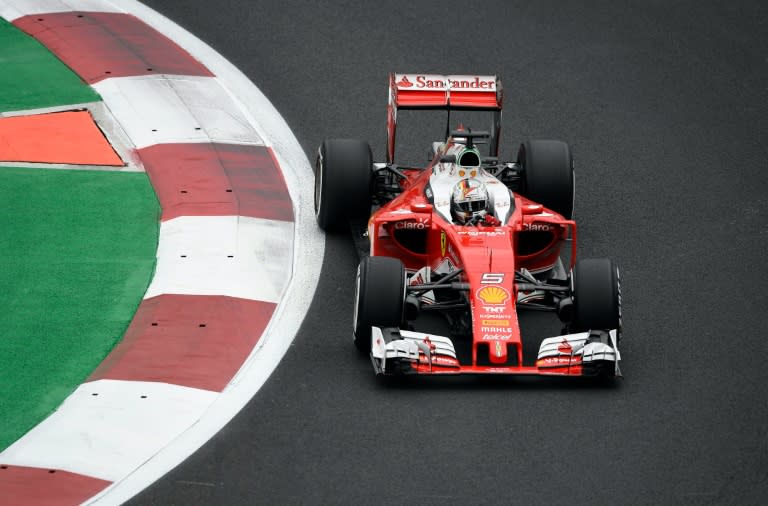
379 297
548 174
343 173
596 295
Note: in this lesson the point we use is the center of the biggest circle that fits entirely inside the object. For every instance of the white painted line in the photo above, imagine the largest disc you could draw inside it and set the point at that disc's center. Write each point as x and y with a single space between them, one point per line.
249 258
46 110
164 109
65 166
11 10
110 434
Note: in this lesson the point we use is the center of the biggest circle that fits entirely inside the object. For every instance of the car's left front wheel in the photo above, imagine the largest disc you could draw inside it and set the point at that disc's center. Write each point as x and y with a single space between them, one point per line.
343 172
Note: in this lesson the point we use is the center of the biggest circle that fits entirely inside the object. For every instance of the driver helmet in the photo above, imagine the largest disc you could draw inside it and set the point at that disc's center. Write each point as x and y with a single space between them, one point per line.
469 200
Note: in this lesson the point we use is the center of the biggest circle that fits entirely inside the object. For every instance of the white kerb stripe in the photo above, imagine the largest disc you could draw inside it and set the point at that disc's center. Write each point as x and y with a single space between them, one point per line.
250 258
307 252
11 10
163 109
110 434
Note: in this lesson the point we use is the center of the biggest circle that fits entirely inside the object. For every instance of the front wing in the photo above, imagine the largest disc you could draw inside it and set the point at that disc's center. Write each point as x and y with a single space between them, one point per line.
398 352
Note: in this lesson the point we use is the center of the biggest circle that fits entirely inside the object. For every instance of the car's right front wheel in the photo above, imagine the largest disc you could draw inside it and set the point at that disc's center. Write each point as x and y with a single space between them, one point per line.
379 297
548 174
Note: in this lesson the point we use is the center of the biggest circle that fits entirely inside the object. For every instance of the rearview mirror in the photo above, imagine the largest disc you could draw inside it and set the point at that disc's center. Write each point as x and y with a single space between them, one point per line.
532 209
419 207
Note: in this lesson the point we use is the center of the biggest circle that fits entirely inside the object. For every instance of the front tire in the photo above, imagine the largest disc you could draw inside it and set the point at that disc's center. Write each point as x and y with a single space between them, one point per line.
343 173
596 290
548 174
379 297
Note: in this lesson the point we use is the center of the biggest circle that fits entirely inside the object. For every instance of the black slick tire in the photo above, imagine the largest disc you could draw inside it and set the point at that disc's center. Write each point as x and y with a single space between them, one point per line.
379 297
343 172
548 174
596 295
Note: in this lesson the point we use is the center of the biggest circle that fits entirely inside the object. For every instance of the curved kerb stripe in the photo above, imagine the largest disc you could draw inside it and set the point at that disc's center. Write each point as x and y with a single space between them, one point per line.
228 294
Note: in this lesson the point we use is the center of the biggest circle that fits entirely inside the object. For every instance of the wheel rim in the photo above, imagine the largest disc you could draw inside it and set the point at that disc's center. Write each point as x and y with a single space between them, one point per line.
356 306
318 182
573 193
618 300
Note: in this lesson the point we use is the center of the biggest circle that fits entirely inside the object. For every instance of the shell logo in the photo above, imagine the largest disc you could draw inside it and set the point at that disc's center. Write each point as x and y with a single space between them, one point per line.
493 295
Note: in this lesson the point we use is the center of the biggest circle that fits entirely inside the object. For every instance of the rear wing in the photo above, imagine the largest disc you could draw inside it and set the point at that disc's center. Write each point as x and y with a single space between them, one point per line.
431 91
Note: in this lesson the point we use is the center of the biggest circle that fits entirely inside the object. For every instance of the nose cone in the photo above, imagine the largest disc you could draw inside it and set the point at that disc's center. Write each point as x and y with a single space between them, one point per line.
498 352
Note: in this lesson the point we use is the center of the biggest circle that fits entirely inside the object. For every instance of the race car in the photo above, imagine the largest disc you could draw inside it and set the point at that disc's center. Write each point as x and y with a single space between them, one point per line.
471 238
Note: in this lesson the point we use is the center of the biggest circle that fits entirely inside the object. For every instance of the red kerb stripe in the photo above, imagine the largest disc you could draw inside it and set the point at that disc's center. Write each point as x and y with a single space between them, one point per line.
100 45
198 341
44 487
217 180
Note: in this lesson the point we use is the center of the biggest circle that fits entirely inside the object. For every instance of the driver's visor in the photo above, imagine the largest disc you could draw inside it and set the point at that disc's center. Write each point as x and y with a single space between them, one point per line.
472 205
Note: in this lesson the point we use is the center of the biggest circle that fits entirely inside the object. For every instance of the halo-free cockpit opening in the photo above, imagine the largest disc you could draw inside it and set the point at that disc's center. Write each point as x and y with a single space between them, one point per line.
469 158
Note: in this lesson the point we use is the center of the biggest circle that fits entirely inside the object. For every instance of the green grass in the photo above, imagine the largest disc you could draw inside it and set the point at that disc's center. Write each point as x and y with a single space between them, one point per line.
31 77
77 251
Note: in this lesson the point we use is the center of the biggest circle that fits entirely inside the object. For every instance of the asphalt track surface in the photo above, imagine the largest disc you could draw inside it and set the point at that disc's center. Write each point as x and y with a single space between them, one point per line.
664 105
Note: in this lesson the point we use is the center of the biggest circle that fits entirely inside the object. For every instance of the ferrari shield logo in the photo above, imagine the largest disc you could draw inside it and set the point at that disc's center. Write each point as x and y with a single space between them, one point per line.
443 242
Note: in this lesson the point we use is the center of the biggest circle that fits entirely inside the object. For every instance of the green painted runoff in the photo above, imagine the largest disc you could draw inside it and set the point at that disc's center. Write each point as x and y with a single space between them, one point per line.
31 77
77 252
76 256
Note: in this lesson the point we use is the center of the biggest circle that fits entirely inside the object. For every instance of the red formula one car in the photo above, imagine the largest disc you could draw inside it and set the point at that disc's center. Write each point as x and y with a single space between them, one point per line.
469 237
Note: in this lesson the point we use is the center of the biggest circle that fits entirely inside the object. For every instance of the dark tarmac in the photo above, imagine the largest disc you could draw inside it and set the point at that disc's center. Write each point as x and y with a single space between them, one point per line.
665 106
